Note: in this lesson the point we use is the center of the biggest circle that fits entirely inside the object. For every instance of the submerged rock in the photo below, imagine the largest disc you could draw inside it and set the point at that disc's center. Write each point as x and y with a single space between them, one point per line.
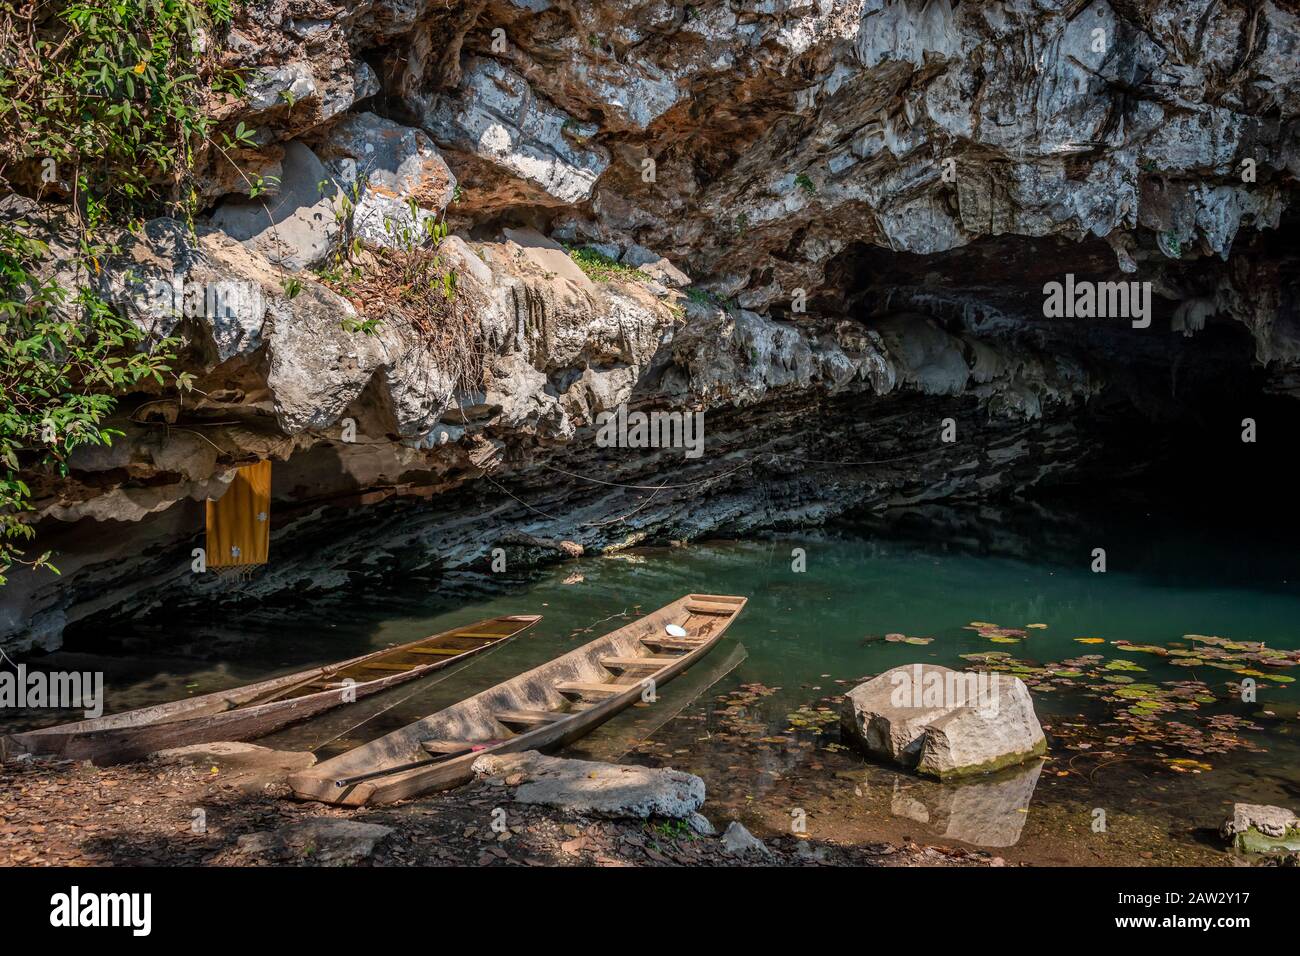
1257 828
604 789
944 723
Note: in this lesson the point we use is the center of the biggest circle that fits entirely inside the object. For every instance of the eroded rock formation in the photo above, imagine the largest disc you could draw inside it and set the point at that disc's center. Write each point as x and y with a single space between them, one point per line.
833 220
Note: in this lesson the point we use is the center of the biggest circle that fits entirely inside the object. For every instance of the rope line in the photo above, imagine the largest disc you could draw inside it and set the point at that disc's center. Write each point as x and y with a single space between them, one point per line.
618 484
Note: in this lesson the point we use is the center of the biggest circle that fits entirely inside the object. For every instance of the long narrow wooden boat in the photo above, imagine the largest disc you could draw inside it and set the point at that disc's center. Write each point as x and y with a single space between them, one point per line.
544 708
610 745
243 713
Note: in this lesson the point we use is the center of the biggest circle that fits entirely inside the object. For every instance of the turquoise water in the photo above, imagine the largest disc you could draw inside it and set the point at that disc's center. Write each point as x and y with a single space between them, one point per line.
806 637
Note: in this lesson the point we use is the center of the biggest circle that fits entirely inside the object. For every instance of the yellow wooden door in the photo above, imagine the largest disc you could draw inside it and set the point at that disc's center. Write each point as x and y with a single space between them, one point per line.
239 522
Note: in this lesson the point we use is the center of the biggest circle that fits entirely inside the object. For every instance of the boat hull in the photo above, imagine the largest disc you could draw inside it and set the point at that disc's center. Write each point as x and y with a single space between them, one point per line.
475 715
226 715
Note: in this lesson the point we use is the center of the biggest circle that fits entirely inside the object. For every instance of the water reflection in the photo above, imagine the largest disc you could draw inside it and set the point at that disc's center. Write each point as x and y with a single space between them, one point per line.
988 812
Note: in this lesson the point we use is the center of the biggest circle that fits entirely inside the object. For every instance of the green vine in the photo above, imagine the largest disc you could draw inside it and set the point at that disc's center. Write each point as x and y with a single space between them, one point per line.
102 113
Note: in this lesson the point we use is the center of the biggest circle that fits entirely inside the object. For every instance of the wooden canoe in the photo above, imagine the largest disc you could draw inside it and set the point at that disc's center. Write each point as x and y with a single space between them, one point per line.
243 713
544 708
610 745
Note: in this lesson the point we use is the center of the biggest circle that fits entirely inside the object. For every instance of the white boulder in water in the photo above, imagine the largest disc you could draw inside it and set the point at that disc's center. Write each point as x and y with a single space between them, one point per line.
944 723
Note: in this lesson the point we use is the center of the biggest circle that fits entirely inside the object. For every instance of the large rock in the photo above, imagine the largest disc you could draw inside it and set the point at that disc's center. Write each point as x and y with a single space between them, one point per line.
244 766
656 266
298 226
496 118
944 723
1256 828
290 97
324 841
389 168
591 787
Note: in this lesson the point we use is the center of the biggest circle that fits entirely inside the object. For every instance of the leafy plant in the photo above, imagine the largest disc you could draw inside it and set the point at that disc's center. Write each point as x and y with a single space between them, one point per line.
806 184
61 363
1169 244
101 104
220 11
672 829
110 90
364 326
410 281
260 184
240 136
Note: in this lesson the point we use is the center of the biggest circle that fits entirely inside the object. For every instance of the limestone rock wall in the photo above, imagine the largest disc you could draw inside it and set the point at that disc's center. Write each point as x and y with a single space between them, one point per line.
833 218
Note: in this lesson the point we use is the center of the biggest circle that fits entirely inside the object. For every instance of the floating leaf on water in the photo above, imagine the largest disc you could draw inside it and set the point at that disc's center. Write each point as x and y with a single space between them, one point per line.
1187 765
993 630
1145 648
1037 627
1091 640
904 639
